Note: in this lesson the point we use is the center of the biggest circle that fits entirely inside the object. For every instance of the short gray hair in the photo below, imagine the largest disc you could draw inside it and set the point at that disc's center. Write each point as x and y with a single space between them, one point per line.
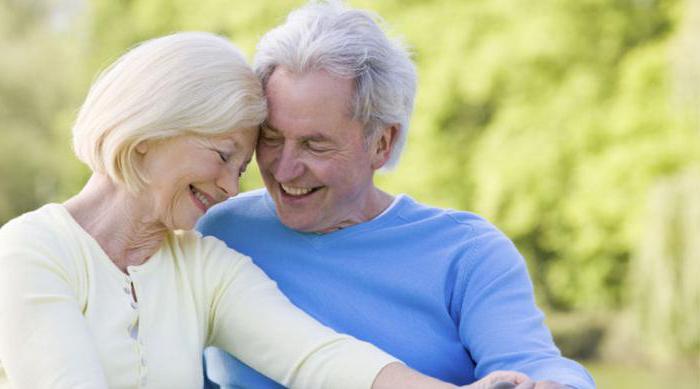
185 83
348 43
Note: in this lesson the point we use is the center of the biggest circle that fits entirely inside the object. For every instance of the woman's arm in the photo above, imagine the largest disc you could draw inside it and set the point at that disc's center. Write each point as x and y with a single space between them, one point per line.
251 319
398 375
44 338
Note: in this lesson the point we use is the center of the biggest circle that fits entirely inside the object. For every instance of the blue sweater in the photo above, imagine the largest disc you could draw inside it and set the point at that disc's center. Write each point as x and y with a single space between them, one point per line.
444 291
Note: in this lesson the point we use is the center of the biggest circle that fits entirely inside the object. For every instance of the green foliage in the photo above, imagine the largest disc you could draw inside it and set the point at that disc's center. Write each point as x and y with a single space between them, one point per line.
39 82
665 274
624 376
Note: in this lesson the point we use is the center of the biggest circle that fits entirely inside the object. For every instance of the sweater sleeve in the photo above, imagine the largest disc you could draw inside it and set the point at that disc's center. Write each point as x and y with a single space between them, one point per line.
44 339
255 322
500 323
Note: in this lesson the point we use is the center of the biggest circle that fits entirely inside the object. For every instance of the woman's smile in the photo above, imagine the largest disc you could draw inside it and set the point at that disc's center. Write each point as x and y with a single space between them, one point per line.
202 200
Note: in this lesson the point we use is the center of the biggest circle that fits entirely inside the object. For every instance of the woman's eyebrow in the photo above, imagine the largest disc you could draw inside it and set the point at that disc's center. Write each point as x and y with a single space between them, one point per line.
267 126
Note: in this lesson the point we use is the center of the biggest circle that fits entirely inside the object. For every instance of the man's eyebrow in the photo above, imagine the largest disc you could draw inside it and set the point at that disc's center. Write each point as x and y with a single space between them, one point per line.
316 138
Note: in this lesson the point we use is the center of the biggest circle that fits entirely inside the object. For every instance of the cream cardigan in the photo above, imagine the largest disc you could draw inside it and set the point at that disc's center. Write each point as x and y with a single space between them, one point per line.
68 318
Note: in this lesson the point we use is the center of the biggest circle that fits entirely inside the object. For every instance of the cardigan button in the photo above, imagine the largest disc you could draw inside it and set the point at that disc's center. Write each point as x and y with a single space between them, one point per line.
133 331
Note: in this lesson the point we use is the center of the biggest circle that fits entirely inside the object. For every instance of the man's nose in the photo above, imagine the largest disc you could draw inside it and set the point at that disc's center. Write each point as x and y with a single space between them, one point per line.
289 165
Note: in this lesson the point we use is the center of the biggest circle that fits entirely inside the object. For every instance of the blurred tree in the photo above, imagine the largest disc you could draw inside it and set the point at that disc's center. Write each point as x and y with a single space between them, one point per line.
665 273
40 74
664 276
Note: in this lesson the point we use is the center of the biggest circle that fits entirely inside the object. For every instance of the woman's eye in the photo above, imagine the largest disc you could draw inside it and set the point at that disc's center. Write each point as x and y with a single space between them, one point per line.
224 157
271 140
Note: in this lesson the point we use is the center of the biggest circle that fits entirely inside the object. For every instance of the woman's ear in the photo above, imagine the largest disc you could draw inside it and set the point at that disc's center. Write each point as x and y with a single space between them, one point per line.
384 144
142 147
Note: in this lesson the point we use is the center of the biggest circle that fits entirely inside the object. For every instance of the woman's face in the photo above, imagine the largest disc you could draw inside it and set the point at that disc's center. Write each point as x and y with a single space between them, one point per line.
189 174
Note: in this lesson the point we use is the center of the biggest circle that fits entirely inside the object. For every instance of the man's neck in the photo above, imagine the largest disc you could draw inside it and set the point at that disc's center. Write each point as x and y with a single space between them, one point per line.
376 202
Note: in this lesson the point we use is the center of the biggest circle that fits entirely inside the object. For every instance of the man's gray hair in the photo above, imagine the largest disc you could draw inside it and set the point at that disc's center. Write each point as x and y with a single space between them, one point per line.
348 43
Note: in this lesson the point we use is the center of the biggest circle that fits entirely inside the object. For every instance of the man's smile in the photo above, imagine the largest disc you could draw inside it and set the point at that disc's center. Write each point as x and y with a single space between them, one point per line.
297 191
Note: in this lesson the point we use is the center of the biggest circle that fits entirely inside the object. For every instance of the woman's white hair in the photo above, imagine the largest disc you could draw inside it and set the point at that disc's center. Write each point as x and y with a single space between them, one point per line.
349 43
185 83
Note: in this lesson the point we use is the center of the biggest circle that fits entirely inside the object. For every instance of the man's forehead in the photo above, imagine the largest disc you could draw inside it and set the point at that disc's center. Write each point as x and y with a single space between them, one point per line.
284 87
308 133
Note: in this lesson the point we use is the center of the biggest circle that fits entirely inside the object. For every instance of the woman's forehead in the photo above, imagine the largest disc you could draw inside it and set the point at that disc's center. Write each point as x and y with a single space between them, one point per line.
237 136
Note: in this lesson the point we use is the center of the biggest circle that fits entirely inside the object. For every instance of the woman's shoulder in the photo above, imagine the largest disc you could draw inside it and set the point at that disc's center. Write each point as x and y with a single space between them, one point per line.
206 263
38 226
43 240
196 249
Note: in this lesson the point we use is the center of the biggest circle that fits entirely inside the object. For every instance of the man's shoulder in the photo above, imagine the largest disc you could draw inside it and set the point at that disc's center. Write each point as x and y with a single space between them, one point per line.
246 208
246 203
447 217
247 198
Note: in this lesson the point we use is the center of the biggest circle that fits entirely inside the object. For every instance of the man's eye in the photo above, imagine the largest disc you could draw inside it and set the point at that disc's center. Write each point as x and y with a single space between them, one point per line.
316 147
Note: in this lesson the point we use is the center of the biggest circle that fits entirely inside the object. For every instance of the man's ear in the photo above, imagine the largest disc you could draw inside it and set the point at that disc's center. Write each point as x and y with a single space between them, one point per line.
383 144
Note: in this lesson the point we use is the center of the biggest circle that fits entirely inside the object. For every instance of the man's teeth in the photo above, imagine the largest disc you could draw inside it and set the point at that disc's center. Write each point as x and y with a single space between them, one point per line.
201 197
296 191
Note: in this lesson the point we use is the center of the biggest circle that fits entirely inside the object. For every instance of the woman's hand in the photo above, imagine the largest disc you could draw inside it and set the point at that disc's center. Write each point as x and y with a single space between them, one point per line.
397 375
500 379
505 379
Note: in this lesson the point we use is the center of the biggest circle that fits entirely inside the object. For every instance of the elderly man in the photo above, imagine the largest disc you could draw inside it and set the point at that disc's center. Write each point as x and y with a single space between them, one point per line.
444 291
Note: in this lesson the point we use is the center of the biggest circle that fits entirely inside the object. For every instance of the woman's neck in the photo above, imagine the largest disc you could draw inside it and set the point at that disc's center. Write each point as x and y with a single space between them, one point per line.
122 223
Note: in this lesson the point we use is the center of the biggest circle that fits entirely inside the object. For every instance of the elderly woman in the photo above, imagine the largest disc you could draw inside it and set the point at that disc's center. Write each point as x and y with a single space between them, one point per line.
113 289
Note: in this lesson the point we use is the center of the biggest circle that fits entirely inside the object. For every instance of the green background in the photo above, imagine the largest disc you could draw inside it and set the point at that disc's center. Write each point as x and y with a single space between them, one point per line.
573 125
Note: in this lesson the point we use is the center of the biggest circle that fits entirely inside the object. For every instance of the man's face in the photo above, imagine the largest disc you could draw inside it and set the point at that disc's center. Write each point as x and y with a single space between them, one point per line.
312 155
